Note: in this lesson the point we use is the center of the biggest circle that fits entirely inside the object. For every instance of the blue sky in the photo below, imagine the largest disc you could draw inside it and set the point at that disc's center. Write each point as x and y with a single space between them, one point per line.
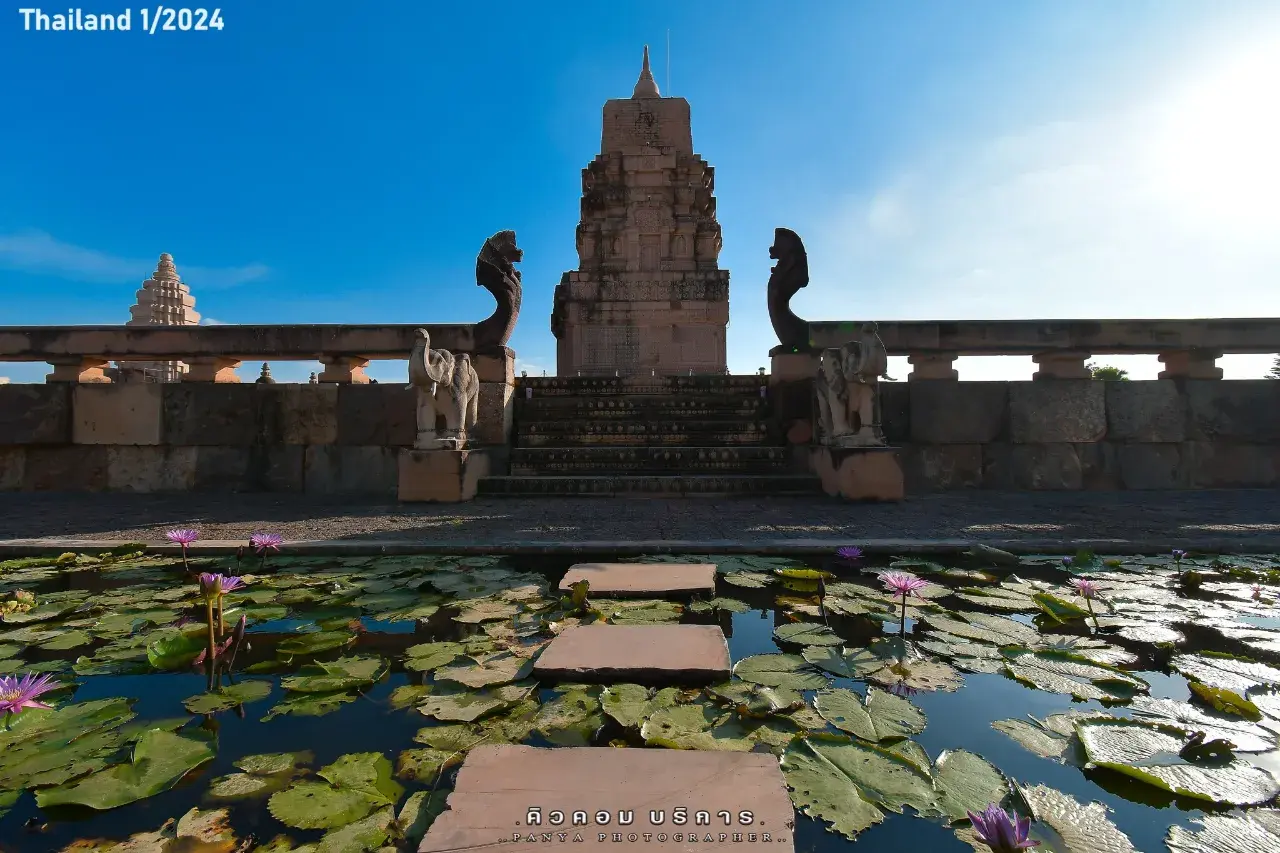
323 162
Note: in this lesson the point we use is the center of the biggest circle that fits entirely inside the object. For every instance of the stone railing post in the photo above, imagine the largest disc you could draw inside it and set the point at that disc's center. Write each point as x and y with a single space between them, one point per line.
790 393
211 369
495 408
78 369
1062 364
936 365
346 370
1190 364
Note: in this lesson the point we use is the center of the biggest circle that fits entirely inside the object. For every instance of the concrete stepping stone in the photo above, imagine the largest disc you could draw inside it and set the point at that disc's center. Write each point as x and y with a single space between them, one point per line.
643 580
644 654
499 786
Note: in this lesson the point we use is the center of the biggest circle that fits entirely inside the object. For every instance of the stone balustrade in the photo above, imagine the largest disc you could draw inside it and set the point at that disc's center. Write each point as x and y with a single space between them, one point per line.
1189 349
212 353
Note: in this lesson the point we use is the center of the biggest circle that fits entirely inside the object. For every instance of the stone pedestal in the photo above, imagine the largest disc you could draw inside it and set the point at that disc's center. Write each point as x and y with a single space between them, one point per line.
495 407
440 476
346 370
859 473
77 369
211 369
791 378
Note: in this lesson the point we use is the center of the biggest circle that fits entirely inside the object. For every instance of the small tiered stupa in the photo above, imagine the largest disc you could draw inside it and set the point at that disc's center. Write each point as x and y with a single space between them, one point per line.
163 300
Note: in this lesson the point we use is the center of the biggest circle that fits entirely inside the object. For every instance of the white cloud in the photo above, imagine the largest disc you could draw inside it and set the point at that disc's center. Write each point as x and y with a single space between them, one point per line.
39 252
1095 217
209 321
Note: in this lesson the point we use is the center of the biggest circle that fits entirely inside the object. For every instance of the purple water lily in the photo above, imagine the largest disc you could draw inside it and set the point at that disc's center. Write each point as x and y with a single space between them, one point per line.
849 553
263 542
1085 588
997 829
903 584
1066 562
16 695
183 537
214 586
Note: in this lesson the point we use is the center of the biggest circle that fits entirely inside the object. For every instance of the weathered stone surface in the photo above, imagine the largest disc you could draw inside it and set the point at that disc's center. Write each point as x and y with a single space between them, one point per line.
341 469
497 365
941 467
1146 411
1227 465
1099 466
70 468
13 461
308 413
444 476
495 414
643 654
35 414
1064 410
895 411
377 415
1032 466
211 414
255 468
859 474
1152 465
117 414
1246 411
151 469
946 412
642 580
498 785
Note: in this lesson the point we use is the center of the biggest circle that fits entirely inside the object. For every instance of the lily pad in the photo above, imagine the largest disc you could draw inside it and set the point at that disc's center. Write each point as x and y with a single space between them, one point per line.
272 763
630 704
314 643
332 676
317 805
1231 674
309 705
778 670
890 663
1150 755
1054 736
1072 675
748 579
366 835
880 716
806 634
570 719
496 668
1244 736
732 605
425 765
758 701
823 790
967 783
485 610
160 760
1073 828
469 705
701 726
1255 831
228 697
419 812
51 746
428 656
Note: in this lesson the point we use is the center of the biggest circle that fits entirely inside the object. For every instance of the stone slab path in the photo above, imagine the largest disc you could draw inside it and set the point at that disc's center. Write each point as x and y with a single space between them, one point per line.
497 785
629 580
641 654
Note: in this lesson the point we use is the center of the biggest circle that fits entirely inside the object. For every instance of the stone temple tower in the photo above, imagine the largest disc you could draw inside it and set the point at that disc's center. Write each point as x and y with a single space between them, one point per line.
648 295
163 300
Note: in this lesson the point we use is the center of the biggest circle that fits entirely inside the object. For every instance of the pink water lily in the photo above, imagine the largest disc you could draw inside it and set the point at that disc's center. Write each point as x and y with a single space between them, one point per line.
16 695
183 536
264 542
1085 588
1001 832
1256 589
902 583
214 586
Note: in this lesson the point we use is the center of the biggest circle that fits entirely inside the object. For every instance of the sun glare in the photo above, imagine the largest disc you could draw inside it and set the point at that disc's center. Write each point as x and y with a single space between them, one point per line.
1216 157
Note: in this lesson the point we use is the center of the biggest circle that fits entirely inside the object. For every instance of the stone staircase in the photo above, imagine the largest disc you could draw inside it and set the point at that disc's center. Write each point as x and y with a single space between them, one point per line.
675 435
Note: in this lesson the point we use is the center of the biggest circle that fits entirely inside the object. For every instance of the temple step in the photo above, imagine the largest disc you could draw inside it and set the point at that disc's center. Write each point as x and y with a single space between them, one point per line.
650 460
613 386
641 485
597 433
652 407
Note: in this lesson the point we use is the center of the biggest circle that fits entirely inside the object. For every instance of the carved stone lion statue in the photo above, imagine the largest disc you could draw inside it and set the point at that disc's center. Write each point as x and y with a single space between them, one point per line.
447 384
848 391
496 273
789 275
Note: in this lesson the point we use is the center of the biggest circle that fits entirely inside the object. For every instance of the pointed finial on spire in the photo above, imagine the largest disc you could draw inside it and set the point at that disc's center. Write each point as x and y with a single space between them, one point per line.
165 270
646 86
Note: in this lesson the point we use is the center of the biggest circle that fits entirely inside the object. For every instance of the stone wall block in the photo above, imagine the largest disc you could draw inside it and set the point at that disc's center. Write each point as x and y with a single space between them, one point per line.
941 467
132 468
216 414
1099 465
496 366
440 476
347 470
1152 465
946 412
1228 465
1145 411
370 415
35 414
308 413
1064 410
1046 467
253 468
1245 411
13 462
494 414
117 414
70 468
895 411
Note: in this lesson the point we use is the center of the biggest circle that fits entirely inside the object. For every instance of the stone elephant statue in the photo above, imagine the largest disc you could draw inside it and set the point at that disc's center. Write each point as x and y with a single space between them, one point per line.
447 384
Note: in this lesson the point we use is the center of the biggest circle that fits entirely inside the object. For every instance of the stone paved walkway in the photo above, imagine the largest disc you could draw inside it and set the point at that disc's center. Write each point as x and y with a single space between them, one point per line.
1250 518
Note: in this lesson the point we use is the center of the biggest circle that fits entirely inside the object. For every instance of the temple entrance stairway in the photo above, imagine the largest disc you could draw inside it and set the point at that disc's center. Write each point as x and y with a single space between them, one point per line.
675 435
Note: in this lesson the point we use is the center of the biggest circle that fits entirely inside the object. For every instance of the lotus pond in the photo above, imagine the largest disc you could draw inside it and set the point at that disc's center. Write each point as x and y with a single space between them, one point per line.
1143 715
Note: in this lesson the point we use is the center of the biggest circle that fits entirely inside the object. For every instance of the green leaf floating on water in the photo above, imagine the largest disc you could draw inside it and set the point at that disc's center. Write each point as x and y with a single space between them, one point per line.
967 783
776 670
570 719
630 704
880 716
748 579
705 727
1243 735
888 662
7 799
803 574
1151 755
1072 675
174 651
428 656
486 670
314 643
52 746
1054 736
419 812
160 760
757 701
309 705
228 697
984 628
1255 831
732 605
823 790
366 835
1238 676
331 676
806 634
469 705
357 784
1063 825
1058 609
1224 701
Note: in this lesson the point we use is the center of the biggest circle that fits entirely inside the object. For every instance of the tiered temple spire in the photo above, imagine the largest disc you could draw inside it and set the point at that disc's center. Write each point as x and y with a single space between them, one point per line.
646 86
163 300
